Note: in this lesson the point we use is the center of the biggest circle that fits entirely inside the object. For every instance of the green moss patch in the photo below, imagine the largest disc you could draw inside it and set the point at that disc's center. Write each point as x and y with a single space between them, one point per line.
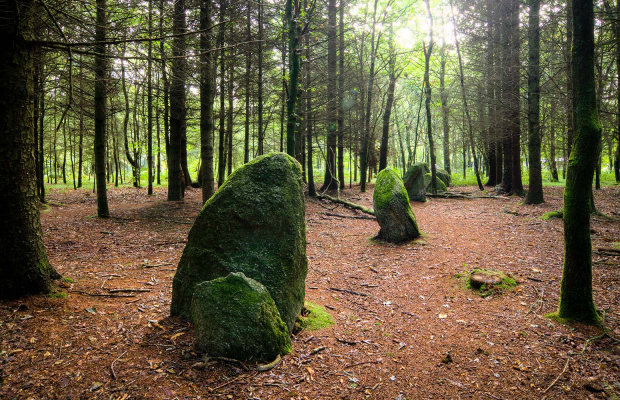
58 295
487 282
553 215
314 317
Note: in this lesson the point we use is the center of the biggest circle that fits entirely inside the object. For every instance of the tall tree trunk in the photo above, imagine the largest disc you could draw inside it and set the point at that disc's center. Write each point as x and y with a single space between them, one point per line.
576 302
132 161
535 192
177 104
341 58
466 108
24 267
308 120
445 109
366 135
383 150
248 66
261 137
207 93
427 86
570 93
149 107
100 114
552 155
294 58
166 88
229 119
330 181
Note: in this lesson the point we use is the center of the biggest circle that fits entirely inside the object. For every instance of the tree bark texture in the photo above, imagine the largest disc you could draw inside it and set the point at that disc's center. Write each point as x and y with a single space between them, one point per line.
535 192
206 101
24 267
576 302
100 114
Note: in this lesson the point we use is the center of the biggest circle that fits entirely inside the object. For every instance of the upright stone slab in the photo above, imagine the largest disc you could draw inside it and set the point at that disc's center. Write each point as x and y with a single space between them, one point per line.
235 317
392 209
255 224
441 186
414 182
445 176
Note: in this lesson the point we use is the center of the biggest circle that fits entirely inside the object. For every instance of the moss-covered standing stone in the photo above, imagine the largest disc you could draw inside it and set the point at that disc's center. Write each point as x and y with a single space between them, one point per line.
255 224
392 208
235 317
441 186
445 176
414 182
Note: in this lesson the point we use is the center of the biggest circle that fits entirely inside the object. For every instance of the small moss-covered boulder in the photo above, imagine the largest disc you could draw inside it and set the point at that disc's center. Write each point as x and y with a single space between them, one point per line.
235 317
445 176
441 186
255 224
414 182
392 209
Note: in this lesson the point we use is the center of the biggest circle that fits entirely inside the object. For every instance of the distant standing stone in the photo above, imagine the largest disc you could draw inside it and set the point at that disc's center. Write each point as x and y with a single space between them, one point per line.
235 317
415 183
255 224
392 208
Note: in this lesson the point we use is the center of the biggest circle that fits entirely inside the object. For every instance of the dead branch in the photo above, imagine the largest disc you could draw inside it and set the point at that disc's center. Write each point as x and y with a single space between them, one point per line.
128 290
101 294
347 203
349 291
349 216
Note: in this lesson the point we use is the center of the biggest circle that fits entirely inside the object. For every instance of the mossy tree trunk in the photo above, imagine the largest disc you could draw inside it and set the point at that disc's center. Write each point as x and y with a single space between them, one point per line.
24 268
100 117
206 101
535 193
576 302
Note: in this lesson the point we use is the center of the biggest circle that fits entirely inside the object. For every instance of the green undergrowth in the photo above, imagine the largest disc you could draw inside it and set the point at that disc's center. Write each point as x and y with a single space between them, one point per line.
507 282
313 318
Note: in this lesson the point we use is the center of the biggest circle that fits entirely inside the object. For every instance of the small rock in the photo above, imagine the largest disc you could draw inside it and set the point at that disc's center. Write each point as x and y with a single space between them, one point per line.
96 386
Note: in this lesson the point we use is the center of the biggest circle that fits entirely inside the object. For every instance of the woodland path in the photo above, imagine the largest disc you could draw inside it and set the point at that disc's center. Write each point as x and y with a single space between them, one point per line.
405 325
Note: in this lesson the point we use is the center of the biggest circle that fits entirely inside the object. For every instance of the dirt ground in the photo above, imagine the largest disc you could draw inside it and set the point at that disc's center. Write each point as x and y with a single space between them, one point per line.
406 326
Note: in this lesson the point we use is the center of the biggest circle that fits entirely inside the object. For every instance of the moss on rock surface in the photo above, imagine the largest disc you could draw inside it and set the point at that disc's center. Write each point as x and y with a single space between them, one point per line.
255 224
392 209
445 176
414 182
235 317
441 186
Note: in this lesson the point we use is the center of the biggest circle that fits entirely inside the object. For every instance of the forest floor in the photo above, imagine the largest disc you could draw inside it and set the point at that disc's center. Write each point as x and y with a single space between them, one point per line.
406 325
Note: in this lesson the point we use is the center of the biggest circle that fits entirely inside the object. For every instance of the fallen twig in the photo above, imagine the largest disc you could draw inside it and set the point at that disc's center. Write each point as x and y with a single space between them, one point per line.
156 265
349 291
128 290
112 365
101 294
362 363
558 377
349 216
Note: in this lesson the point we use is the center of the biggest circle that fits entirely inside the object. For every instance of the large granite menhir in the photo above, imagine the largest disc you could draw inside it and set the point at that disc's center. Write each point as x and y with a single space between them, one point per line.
254 224
392 208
